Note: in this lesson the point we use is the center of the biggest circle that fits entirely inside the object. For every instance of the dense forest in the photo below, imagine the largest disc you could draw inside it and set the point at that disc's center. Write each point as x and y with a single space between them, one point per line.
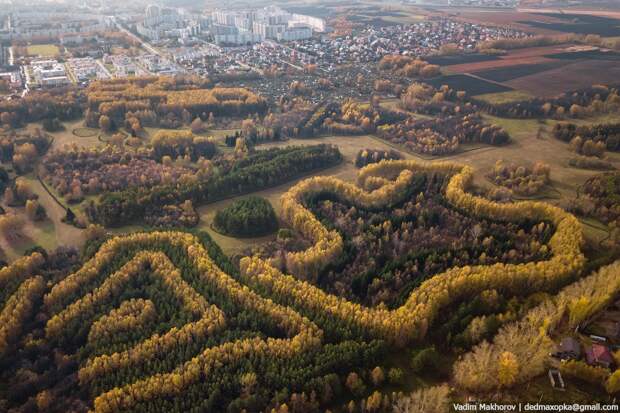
408 279
388 253
167 102
163 321
247 217
260 170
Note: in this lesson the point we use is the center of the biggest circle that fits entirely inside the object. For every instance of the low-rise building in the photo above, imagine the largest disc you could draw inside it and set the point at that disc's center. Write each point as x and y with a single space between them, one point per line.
49 73
13 79
569 349
599 355
238 39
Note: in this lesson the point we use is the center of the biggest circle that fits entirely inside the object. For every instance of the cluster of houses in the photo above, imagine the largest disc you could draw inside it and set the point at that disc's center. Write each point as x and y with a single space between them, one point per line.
595 343
596 354
86 68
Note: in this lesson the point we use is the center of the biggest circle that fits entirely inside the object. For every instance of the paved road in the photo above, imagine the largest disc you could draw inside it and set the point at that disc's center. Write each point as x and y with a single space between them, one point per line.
144 44
147 46
104 69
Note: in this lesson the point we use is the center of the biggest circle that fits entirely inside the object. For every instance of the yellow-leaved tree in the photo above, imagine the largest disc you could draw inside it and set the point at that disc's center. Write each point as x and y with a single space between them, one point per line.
508 369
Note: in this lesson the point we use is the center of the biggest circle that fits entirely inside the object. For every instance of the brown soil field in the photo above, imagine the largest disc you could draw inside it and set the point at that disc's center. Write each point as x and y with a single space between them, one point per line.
533 55
600 13
502 18
570 77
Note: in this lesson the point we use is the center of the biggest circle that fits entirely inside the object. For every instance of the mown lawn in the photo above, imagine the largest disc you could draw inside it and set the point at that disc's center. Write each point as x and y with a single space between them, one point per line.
43 50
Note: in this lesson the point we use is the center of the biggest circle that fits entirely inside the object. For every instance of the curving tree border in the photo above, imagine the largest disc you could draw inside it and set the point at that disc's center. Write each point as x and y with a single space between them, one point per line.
302 334
293 302
411 321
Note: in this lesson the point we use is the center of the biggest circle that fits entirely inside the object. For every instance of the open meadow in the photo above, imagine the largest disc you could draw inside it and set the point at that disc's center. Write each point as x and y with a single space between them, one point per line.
44 50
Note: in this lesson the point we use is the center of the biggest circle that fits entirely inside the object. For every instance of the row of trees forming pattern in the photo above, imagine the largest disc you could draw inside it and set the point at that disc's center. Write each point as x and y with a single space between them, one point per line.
589 136
576 104
413 318
212 335
388 252
164 101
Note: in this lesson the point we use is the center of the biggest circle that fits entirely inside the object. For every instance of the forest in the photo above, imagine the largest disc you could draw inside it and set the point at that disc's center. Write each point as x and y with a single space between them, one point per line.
164 101
247 217
260 170
154 321
373 282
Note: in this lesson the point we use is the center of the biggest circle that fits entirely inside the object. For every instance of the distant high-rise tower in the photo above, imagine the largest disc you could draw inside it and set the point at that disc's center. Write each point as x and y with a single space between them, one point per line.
4 53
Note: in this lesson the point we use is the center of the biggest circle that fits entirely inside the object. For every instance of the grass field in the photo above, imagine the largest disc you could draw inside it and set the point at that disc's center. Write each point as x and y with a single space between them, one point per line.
66 136
504 97
43 50
49 234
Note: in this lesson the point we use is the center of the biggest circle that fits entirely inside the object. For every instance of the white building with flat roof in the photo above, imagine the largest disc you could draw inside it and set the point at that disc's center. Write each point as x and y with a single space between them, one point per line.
294 33
317 24
161 22
238 39
49 72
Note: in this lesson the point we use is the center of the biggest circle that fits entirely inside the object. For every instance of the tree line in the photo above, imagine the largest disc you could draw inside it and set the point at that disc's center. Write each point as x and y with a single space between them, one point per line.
257 171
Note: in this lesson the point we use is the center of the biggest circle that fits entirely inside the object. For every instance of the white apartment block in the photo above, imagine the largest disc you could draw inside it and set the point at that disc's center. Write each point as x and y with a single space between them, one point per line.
268 23
26 25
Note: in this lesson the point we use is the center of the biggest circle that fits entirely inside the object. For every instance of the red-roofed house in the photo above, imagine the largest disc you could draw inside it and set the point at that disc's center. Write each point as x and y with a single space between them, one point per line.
599 355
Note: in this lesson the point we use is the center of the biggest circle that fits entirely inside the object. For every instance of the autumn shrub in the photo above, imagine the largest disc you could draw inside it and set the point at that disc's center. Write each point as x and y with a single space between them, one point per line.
426 400
590 162
580 370
606 136
426 360
521 179
443 135
367 156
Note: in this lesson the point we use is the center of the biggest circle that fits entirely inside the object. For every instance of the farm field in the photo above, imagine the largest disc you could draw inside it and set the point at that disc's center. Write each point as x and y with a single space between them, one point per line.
576 23
573 76
602 12
518 57
470 84
516 19
543 71
507 73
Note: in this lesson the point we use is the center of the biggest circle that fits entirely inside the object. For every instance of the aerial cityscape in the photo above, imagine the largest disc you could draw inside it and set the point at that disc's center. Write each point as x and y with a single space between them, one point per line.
343 206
